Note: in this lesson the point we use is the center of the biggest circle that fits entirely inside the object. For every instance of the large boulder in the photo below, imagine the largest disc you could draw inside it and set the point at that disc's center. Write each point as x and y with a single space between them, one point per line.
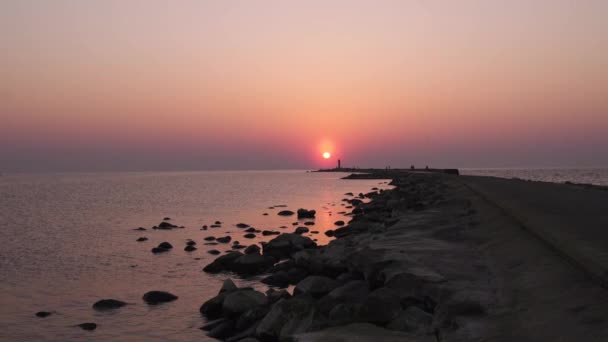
381 306
284 245
158 297
316 286
286 318
285 213
212 308
303 213
165 225
412 319
238 302
354 291
222 263
108 304
250 264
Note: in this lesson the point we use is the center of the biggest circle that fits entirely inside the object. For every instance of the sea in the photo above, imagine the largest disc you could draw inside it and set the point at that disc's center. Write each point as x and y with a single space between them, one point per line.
595 176
68 240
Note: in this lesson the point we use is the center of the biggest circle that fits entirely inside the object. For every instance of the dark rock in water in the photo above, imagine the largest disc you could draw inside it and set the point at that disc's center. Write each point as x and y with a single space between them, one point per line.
191 243
287 317
296 275
249 236
329 233
309 223
211 244
228 286
265 214
216 226
270 232
212 325
295 223
218 222
157 250
303 213
143 238
251 264
314 232
140 228
209 238
355 291
87 326
284 245
214 252
301 230
212 309
316 286
107 304
242 225
189 248
238 247
237 302
204 226
165 245
252 249
278 279
250 230
158 297
43 314
250 317
339 223
222 263
167 219
223 330
285 213
166 225
348 194
224 239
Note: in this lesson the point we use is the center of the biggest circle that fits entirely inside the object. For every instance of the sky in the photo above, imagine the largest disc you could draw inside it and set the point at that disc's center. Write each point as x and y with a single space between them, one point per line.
193 85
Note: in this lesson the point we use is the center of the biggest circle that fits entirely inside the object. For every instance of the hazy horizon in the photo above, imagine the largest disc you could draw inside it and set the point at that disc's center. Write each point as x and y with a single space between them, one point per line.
240 85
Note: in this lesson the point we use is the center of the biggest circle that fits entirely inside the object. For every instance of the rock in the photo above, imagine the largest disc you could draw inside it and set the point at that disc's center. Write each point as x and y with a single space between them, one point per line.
252 249
250 264
303 213
212 325
316 286
228 286
108 304
361 332
238 302
284 245
250 317
222 263
166 225
237 247
329 233
167 219
87 326
209 238
157 250
189 248
301 230
214 252
278 279
285 213
211 243
296 275
287 317
224 239
165 245
140 228
412 319
348 194
250 230
265 214
242 225
143 238
158 297
223 330
339 223
270 232
249 236
352 292
276 295
314 232
381 306
190 243
43 314
216 226
212 308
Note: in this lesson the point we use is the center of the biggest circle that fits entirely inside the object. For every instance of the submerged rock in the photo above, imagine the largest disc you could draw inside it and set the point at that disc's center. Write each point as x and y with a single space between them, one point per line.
108 304
284 245
252 249
242 225
250 264
166 225
158 297
214 252
224 239
339 223
285 213
249 236
43 314
165 245
222 263
237 302
301 230
143 238
189 248
87 326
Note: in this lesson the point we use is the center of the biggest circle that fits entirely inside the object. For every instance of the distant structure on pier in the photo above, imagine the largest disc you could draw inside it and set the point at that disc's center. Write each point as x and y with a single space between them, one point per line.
339 164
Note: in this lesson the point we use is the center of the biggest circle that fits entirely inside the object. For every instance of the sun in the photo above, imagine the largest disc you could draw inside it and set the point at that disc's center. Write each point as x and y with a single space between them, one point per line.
326 155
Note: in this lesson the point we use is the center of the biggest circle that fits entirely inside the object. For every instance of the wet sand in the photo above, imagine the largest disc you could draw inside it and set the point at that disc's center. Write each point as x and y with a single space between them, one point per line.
445 258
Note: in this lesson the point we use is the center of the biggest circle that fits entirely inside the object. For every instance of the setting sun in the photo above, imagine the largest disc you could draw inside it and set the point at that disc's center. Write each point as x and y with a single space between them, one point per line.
326 155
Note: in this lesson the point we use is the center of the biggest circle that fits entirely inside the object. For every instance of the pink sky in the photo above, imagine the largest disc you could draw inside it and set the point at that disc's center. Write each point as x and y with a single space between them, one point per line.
156 85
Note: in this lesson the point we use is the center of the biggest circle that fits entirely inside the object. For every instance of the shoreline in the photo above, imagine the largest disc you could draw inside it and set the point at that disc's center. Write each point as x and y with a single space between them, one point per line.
430 260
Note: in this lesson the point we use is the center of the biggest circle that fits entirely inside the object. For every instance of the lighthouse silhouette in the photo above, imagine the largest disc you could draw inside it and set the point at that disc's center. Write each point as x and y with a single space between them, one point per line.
339 164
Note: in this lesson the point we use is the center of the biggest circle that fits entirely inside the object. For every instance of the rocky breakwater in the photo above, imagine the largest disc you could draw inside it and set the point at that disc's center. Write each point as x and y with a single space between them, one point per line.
400 270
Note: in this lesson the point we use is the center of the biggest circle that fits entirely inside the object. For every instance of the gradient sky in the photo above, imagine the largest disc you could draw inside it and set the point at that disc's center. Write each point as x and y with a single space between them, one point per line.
183 85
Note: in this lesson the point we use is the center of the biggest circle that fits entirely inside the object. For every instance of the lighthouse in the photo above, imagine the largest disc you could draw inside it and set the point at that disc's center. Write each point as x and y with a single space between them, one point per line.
339 164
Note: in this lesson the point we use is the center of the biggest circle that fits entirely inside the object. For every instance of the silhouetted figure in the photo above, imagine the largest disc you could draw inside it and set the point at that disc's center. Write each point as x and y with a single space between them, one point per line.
412 167
427 167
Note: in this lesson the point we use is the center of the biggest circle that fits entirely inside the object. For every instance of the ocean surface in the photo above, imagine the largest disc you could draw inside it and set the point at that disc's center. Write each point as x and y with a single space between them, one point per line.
597 176
68 240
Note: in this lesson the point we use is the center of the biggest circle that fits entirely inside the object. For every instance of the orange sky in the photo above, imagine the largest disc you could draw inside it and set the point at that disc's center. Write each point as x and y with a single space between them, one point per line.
265 84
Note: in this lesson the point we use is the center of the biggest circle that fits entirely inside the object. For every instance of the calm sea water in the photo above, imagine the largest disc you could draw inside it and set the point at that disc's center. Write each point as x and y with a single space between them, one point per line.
598 176
68 241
